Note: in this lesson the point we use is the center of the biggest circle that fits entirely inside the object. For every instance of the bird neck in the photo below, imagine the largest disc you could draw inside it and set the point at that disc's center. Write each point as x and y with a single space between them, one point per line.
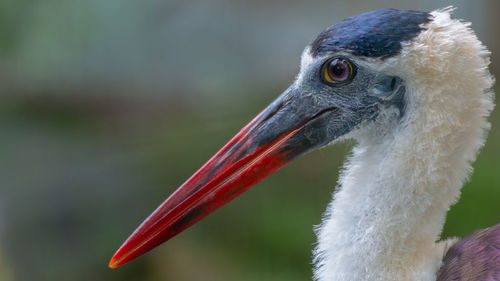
383 225
394 193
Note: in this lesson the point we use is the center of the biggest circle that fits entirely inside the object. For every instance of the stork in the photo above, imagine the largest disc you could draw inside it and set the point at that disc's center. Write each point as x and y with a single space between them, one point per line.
413 89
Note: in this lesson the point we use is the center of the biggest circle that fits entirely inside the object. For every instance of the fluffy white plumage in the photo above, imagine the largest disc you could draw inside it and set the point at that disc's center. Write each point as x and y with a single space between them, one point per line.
395 189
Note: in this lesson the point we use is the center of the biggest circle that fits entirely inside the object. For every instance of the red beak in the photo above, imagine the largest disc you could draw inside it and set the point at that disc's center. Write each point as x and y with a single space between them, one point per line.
272 139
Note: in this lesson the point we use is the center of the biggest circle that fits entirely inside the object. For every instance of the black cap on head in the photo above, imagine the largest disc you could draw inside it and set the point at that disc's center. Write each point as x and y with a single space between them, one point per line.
372 34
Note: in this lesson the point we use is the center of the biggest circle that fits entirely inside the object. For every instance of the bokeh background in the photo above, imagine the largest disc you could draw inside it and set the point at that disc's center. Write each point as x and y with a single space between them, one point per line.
107 106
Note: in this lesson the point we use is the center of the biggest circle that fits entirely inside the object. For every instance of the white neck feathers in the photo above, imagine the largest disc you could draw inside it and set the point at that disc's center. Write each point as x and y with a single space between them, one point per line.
396 187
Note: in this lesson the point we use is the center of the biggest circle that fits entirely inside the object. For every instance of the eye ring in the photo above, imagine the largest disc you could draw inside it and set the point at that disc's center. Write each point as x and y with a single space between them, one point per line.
337 70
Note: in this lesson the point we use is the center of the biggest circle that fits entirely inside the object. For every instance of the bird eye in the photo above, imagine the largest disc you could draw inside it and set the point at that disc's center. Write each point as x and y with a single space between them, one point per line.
337 70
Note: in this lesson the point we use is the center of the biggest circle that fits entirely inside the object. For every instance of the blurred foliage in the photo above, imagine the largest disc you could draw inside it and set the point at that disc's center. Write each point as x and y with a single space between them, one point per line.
107 106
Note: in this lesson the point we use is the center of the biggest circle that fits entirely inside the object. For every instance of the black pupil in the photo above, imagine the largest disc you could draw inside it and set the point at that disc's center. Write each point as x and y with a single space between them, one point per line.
338 70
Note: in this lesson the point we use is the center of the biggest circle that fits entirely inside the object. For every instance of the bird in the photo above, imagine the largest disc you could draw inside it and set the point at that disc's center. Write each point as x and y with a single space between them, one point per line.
414 91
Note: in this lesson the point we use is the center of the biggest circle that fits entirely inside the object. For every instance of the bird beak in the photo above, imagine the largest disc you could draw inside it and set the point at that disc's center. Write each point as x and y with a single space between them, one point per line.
287 128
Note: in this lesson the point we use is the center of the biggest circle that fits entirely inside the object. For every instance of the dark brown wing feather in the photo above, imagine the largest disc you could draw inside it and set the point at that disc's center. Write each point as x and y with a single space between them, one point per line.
474 258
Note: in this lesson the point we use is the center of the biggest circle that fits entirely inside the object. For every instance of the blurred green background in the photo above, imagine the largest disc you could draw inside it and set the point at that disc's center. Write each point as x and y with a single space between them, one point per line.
107 106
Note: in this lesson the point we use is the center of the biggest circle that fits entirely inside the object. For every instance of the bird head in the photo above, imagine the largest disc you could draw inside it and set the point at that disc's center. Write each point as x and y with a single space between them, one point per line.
357 79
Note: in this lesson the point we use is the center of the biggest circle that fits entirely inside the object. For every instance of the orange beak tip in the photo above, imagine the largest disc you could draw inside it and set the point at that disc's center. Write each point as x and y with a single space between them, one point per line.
113 263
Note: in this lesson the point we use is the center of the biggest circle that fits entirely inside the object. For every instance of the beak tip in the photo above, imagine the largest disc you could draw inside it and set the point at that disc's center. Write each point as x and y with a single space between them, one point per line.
114 262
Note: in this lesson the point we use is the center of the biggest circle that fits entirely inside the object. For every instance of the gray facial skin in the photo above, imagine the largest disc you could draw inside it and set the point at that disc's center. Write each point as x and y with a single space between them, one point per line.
324 112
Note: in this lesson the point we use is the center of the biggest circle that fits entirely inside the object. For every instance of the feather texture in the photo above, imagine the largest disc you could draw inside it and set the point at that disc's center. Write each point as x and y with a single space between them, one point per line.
476 257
